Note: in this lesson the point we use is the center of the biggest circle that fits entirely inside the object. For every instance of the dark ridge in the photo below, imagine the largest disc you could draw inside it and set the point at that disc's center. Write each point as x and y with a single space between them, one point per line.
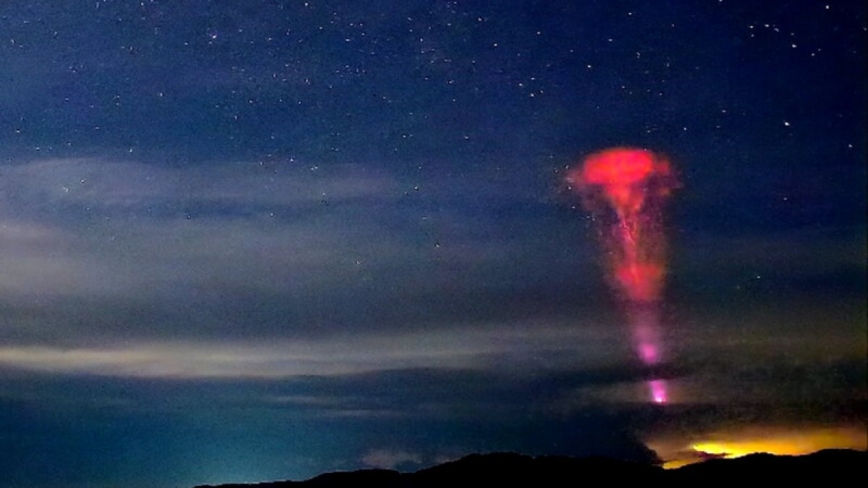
561 472
367 477
834 463
518 470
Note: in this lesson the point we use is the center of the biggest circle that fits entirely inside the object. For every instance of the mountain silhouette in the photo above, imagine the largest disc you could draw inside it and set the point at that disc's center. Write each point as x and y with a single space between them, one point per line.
513 469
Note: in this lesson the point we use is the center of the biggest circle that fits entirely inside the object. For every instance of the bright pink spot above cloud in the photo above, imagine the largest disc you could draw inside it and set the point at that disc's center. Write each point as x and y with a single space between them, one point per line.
658 391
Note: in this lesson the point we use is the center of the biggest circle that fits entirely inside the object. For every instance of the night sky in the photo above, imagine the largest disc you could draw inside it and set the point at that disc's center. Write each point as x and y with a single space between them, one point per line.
257 240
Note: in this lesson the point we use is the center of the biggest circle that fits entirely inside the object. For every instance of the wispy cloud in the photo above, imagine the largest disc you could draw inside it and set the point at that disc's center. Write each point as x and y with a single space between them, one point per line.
99 252
498 348
105 183
390 458
82 226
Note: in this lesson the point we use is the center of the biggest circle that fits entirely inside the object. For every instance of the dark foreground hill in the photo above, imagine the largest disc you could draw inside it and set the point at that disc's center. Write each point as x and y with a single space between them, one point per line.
834 466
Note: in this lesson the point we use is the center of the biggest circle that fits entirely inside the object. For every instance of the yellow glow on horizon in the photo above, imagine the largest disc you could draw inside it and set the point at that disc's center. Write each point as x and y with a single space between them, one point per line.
677 463
772 440
783 443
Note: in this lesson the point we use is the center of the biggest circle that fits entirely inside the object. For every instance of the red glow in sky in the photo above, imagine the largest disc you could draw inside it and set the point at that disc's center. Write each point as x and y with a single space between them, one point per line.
632 184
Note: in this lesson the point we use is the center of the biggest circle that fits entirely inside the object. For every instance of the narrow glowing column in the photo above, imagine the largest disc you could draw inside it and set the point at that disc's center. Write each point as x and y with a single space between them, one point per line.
626 188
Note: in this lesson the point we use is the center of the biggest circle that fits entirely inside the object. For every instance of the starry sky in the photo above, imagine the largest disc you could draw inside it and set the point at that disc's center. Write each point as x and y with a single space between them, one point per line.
248 241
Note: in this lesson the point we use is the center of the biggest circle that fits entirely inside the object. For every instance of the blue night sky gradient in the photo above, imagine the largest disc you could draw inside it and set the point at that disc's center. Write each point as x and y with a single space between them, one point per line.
247 241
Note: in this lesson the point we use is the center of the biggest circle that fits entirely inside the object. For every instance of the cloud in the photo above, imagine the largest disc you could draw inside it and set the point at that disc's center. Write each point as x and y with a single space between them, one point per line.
98 252
70 184
390 458
93 228
83 227
516 347
825 249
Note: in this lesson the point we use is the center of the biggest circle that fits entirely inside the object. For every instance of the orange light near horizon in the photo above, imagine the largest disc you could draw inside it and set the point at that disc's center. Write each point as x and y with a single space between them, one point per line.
773 440
792 444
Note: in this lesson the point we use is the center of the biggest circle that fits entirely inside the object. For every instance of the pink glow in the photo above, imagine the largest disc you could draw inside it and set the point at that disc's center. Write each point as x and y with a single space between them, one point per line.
658 391
648 353
626 187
